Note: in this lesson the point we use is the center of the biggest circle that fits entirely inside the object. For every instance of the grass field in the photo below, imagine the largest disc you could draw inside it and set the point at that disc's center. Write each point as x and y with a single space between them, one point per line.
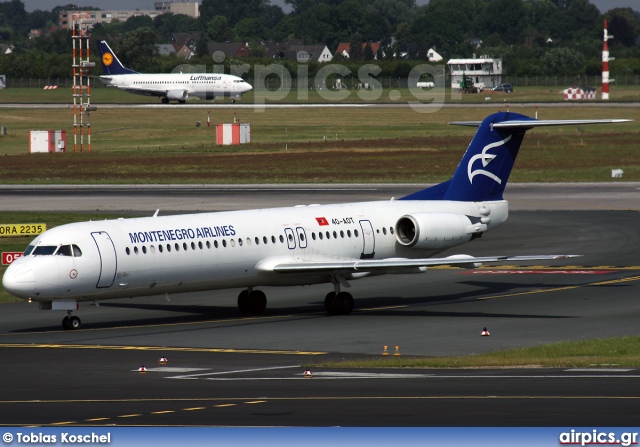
288 145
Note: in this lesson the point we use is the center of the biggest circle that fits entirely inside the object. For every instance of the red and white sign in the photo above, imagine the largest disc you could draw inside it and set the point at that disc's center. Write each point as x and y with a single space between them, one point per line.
9 256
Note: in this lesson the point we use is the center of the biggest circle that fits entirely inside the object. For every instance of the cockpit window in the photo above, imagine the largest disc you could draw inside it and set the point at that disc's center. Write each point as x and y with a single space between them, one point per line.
44 250
76 251
64 250
29 249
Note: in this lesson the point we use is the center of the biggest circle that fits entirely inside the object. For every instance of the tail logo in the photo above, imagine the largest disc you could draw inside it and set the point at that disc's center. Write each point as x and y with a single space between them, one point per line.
486 159
107 59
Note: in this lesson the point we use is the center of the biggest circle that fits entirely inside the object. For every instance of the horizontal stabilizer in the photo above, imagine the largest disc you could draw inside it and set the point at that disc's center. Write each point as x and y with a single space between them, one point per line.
529 124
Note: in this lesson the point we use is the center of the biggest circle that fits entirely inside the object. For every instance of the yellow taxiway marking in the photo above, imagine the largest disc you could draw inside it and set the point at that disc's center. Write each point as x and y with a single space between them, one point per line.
96 419
256 402
155 348
225 405
163 412
130 415
189 323
64 423
194 408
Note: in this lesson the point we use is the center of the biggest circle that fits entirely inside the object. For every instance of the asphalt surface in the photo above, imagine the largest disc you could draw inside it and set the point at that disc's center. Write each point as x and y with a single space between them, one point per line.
227 370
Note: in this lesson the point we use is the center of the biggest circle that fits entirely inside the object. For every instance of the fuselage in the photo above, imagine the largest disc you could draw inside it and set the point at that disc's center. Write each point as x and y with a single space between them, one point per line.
201 85
172 254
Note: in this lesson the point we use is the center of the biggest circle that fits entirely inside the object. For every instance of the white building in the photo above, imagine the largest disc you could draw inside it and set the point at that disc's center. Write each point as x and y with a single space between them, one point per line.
90 18
484 71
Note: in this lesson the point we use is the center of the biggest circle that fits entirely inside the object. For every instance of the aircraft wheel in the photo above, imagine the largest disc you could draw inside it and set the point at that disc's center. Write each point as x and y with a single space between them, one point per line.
243 302
343 303
182 101
65 323
258 301
74 323
329 303
233 101
165 100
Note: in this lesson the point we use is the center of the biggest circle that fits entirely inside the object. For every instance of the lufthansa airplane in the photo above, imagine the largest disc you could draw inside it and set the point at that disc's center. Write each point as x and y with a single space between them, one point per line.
169 86
302 245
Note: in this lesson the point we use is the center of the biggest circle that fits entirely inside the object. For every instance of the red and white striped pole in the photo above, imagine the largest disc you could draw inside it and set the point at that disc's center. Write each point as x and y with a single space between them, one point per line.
605 63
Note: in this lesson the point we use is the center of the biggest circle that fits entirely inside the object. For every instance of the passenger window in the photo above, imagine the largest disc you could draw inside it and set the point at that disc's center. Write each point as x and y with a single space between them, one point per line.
200 245
127 251
264 239
76 251
64 250
224 242
169 248
281 239
257 241
355 233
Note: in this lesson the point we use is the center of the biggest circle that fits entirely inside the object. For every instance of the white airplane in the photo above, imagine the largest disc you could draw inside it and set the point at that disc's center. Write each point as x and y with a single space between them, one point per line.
169 86
302 245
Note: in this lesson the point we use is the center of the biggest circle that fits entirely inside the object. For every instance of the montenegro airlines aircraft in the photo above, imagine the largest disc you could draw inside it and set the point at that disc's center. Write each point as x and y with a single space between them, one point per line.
169 86
302 245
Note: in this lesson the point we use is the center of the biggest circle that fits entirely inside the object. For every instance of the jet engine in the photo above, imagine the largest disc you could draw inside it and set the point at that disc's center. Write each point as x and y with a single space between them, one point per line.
177 95
429 231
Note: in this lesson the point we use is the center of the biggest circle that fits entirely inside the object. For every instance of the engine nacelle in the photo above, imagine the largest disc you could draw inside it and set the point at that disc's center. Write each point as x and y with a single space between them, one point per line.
177 95
429 231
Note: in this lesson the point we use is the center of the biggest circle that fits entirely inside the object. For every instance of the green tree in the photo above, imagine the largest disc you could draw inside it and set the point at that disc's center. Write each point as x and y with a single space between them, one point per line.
219 30
137 50
562 62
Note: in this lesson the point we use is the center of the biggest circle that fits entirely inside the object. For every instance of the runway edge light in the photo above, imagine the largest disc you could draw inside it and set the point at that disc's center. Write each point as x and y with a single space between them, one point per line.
142 369
484 332
162 360
308 373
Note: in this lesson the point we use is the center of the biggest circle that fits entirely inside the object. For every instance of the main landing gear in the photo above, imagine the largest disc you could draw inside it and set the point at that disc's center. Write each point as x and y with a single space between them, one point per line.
254 302
71 323
337 302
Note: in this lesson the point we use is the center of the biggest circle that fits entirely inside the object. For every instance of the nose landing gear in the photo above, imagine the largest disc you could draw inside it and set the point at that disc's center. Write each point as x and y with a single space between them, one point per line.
71 323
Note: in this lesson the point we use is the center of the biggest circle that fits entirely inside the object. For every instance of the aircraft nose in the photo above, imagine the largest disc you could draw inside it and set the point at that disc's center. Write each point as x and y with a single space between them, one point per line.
248 86
19 281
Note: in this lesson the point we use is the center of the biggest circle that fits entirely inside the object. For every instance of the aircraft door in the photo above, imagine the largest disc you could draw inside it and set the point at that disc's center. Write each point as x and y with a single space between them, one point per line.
369 241
108 260
302 237
291 239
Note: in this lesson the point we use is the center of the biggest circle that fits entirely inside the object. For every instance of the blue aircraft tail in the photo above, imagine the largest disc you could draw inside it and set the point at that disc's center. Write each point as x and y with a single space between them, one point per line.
485 167
110 63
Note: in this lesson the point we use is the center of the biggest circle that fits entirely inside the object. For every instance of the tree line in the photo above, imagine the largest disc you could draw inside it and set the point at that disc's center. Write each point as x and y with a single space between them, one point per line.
533 37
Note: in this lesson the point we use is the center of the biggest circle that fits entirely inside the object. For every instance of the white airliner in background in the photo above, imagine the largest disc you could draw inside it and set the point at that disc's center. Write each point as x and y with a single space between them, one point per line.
169 86
302 245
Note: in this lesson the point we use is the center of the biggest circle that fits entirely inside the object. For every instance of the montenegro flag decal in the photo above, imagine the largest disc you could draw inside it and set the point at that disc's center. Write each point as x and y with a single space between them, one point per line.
322 221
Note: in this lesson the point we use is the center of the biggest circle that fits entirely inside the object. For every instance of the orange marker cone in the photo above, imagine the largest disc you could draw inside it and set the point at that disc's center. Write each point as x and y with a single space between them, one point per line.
484 332
385 351
397 351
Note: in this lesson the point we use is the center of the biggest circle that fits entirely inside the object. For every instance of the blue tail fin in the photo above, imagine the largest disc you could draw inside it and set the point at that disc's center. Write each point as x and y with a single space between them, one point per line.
110 63
485 167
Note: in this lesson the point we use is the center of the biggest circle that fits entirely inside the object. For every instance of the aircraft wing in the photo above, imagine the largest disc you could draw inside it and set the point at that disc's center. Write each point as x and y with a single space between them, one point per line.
380 265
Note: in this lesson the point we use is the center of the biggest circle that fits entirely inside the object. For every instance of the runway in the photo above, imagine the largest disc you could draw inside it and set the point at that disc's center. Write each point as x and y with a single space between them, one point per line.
227 370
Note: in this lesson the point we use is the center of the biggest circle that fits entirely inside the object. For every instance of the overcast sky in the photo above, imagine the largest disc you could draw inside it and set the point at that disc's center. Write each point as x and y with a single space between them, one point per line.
30 5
